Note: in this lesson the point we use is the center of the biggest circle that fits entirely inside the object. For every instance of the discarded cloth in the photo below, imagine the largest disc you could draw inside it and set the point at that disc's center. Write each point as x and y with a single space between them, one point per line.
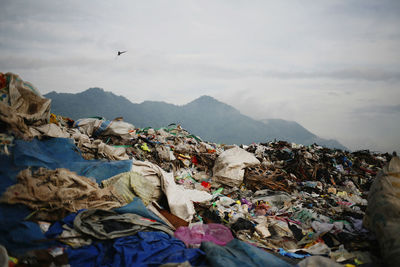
66 225
131 184
137 207
240 254
49 130
102 224
142 249
57 192
152 175
180 200
22 106
93 149
95 127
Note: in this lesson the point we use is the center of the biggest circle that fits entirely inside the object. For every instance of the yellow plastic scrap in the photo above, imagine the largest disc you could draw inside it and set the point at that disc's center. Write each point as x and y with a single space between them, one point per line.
358 262
12 260
181 157
53 118
186 160
144 147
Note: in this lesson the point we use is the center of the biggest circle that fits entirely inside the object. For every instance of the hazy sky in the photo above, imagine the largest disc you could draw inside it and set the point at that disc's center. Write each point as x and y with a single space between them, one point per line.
332 66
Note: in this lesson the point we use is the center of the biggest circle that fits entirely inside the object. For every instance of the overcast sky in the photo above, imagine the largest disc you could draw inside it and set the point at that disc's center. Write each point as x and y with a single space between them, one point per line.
332 66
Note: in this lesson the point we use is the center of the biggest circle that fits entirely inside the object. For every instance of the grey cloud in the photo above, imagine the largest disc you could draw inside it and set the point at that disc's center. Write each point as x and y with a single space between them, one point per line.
369 8
333 93
305 60
379 109
18 62
349 74
221 71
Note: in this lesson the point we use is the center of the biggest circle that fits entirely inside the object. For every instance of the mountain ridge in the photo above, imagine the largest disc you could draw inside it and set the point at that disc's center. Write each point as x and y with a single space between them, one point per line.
205 116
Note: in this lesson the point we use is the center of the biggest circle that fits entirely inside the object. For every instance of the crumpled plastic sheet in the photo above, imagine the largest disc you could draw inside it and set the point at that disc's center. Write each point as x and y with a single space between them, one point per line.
197 233
229 166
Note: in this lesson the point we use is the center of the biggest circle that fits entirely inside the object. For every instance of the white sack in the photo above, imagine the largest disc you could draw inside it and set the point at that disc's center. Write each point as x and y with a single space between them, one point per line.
229 166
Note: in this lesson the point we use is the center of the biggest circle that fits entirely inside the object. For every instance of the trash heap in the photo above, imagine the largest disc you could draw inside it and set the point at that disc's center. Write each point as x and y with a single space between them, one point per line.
99 192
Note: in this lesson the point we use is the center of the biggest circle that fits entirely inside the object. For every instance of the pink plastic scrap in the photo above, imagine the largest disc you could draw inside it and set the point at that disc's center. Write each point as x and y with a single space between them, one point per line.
197 233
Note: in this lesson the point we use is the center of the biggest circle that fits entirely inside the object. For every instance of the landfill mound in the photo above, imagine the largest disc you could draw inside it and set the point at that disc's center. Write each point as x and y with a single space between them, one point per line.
98 192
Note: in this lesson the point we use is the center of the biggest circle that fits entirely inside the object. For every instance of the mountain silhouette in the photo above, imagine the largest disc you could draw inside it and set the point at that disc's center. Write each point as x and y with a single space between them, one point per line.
205 116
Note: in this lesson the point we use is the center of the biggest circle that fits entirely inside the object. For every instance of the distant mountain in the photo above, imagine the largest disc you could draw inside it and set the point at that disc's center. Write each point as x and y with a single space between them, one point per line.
206 117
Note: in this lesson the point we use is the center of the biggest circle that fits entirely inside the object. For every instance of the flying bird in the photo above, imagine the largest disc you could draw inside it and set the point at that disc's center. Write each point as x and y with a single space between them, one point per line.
121 52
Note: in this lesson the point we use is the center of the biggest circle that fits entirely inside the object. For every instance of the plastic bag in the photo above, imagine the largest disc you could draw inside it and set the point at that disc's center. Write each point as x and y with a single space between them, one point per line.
197 233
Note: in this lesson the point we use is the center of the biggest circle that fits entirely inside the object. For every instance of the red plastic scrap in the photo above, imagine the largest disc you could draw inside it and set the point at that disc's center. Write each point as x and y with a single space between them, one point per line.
194 160
206 185
3 81
367 170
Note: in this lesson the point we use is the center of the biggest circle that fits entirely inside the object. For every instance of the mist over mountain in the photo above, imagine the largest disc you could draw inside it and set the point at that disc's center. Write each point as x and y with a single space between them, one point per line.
206 117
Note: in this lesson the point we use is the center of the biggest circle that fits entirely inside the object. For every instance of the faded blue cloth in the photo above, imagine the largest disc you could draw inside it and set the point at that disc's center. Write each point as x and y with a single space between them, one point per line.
17 235
62 153
57 228
142 249
240 254
137 207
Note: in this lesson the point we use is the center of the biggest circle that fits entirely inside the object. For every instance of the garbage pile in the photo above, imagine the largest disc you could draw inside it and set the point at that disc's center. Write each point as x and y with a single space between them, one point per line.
99 192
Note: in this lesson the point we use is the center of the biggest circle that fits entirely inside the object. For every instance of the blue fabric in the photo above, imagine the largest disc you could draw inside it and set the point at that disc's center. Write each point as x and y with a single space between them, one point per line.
240 254
57 227
62 153
143 249
137 207
17 235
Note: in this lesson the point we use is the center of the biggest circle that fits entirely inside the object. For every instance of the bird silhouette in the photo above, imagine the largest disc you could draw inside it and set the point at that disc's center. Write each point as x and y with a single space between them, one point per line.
121 52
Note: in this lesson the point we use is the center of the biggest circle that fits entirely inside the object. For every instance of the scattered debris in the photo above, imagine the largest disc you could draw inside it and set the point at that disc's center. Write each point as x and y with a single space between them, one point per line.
289 200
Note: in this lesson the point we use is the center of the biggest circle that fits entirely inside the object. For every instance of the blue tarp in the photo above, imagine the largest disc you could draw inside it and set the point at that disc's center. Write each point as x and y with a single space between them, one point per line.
62 153
8 172
240 254
142 249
